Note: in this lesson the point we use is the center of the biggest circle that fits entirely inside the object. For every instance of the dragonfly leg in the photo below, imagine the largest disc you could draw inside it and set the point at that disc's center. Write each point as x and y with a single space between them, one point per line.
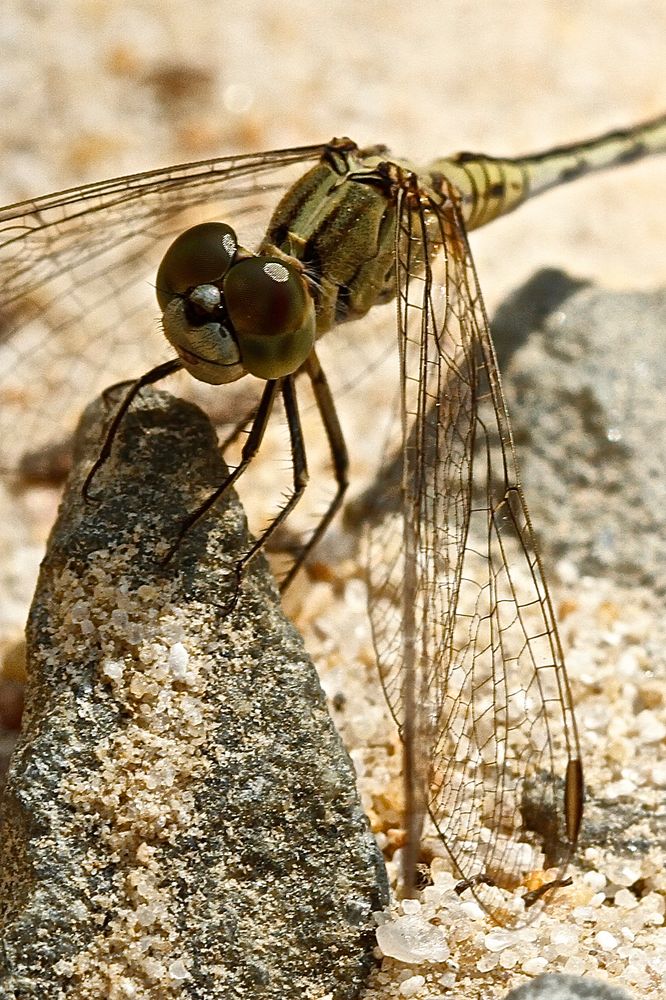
238 429
250 449
114 390
336 441
154 375
299 463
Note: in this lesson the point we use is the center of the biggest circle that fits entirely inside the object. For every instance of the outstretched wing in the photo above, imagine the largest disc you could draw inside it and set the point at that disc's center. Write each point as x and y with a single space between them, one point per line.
463 624
77 272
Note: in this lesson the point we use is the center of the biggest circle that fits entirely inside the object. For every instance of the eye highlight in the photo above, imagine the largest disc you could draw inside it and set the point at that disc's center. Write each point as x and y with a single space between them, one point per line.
275 270
272 314
263 295
201 255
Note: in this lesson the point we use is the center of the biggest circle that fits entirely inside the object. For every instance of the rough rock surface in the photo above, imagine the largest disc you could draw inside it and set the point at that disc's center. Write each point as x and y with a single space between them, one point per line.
181 818
585 380
567 988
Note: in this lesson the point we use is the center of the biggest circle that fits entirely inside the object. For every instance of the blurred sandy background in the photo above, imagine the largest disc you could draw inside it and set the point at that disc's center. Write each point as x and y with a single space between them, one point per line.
93 88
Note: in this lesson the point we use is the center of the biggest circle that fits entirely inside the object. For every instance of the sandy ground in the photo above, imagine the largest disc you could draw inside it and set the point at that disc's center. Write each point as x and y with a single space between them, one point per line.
92 89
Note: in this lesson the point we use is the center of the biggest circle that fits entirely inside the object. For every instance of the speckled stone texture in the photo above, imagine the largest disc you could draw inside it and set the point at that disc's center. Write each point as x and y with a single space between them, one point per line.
181 818
567 988
585 379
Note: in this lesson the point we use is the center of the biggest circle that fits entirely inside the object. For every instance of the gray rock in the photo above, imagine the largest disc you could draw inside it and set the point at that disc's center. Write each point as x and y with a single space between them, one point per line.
557 987
180 818
585 379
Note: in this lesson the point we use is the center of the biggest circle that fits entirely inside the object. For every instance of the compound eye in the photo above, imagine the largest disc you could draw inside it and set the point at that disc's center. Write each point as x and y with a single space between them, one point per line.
201 255
272 314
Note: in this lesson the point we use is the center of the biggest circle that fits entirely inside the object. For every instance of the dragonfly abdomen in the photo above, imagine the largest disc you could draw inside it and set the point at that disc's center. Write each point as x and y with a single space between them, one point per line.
486 187
489 187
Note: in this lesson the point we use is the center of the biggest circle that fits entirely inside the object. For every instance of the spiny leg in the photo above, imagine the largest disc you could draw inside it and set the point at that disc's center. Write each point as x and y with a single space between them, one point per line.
299 465
238 428
250 449
338 449
154 375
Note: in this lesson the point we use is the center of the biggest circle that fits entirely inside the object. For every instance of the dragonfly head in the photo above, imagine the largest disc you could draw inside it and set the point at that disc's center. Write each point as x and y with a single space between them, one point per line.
228 312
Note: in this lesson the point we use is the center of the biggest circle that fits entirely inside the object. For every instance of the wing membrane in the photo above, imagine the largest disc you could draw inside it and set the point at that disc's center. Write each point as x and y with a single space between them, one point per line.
465 634
77 298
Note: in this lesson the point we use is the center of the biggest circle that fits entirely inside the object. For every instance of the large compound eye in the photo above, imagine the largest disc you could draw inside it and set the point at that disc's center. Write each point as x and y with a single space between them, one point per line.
272 314
201 255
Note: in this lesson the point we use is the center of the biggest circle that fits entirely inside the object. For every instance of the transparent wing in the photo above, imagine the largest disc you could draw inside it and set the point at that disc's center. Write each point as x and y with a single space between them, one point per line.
464 630
77 271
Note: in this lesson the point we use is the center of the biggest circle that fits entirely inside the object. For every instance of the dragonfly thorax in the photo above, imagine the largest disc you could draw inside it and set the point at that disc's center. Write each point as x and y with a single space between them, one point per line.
339 221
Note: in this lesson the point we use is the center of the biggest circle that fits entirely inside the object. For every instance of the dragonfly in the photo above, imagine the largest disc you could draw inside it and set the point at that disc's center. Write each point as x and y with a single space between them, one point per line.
257 261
